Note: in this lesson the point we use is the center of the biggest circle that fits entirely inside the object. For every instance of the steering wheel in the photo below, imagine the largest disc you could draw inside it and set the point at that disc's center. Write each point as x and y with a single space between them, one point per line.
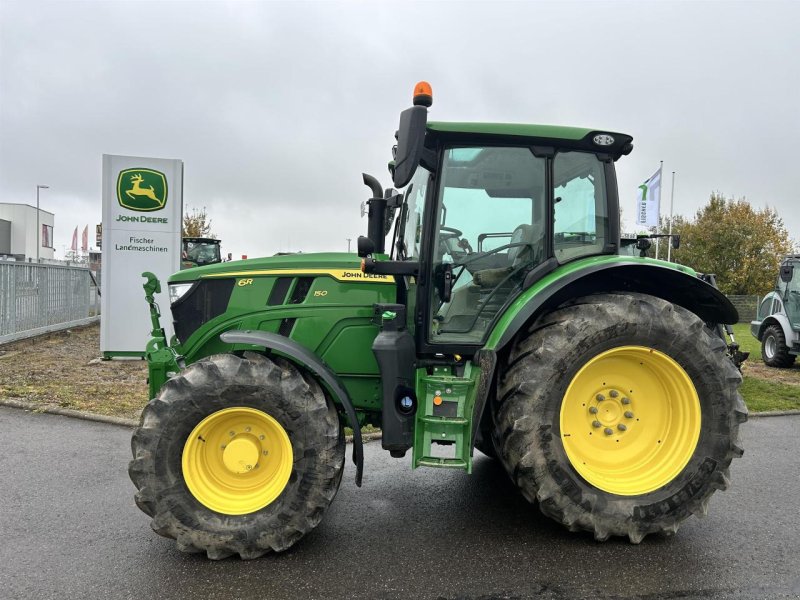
448 233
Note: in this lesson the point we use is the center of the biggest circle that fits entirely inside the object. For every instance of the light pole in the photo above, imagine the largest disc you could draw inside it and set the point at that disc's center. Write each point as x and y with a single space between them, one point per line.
38 226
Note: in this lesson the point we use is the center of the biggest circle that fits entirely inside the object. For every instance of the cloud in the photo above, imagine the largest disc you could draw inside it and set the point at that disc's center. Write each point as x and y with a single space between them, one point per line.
276 108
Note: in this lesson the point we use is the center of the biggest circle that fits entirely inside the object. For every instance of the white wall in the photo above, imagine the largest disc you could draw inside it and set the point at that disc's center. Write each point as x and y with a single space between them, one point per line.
24 235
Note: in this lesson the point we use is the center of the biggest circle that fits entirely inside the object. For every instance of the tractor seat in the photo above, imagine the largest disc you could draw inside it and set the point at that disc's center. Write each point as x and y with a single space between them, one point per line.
517 256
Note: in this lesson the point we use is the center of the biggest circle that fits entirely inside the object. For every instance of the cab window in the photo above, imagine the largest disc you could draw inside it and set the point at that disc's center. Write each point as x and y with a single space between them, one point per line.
581 217
490 231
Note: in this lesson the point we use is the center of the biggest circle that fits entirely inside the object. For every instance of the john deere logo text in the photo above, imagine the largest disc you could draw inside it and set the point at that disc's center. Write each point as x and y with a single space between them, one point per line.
142 189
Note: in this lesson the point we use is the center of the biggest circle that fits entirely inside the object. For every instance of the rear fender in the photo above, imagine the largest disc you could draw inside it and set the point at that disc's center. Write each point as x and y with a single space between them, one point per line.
655 279
311 363
612 275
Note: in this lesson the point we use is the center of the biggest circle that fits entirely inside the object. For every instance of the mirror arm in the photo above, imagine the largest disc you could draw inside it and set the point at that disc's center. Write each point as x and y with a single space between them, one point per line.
390 267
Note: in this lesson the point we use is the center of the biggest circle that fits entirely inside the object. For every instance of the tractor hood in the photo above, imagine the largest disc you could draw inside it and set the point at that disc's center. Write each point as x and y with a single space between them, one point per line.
291 263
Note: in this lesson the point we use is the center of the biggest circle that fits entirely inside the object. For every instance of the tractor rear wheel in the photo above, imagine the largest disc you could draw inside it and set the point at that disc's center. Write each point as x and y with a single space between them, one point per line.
237 455
619 414
774 350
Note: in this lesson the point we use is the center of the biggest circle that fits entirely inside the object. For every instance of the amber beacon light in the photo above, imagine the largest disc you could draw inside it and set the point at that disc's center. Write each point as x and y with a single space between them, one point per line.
423 94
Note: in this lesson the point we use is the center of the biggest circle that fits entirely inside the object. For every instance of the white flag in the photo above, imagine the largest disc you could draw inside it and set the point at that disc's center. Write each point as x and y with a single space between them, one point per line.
648 201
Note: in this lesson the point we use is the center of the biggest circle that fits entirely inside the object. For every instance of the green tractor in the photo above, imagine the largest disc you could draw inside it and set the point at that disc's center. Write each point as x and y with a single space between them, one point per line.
503 318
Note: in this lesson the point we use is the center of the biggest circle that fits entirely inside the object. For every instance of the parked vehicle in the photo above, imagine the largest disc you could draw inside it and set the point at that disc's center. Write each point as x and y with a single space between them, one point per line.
501 317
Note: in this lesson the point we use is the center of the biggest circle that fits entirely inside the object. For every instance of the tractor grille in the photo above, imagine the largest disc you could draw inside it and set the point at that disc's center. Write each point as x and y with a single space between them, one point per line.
301 290
206 300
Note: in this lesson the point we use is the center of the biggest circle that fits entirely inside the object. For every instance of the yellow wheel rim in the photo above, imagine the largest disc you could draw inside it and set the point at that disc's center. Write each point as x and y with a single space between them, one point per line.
630 420
237 460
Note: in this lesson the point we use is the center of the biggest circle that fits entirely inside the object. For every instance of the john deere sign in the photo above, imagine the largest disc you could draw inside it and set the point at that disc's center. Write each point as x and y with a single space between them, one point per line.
142 213
142 189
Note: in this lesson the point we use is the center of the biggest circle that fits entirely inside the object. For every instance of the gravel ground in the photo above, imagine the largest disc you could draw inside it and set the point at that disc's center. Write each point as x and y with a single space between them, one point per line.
64 369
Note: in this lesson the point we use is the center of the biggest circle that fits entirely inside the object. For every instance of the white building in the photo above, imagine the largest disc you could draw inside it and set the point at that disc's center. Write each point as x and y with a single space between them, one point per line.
18 235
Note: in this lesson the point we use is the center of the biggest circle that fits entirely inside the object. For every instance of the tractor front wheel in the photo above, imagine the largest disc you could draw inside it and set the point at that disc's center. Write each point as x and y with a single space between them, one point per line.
237 455
619 414
774 350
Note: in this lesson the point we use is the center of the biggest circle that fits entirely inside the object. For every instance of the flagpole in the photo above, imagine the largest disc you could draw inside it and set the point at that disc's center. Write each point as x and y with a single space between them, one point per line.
658 215
671 200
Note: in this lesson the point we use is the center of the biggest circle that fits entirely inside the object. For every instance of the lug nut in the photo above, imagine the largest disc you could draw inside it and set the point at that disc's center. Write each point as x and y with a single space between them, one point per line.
622 427
593 410
613 393
626 401
628 414
608 431
596 424
600 397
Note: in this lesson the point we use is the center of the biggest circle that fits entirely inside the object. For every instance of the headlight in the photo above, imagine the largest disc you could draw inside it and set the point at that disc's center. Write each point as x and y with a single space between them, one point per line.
177 290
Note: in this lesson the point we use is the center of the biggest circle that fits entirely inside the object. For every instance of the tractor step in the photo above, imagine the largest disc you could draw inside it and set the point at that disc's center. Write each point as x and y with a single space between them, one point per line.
443 427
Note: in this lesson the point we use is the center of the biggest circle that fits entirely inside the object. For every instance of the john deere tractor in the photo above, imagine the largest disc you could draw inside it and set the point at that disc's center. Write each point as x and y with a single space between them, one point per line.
501 316
777 325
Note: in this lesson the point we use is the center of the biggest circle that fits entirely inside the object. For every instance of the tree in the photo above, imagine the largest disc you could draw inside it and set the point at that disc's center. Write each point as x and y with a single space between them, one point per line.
741 245
197 224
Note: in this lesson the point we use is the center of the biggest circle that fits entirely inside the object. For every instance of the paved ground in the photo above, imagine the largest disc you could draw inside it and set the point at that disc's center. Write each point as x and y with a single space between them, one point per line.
69 529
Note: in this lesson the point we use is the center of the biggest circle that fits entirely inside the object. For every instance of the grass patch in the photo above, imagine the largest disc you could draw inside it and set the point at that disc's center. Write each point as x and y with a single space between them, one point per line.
59 369
766 388
746 341
761 395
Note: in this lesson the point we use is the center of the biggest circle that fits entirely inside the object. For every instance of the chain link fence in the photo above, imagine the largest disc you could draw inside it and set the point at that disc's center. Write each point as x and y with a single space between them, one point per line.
36 299
747 307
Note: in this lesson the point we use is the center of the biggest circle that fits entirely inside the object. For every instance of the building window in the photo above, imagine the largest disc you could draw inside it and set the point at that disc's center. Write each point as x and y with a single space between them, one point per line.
47 236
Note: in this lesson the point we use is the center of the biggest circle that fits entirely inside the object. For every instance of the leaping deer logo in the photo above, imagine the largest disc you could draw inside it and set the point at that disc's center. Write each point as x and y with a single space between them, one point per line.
137 190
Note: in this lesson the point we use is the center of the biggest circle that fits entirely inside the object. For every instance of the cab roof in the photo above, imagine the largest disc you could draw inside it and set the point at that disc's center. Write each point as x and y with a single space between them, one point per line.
578 138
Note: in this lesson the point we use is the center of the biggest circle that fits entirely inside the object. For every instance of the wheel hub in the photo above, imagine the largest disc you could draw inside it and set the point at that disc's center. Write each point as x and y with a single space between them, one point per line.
241 455
237 460
770 346
630 420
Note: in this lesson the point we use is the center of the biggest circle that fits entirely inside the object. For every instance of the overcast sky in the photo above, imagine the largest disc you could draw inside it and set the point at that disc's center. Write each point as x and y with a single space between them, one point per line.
276 108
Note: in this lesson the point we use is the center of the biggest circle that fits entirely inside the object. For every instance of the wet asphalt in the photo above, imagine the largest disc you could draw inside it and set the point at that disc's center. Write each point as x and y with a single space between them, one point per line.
69 529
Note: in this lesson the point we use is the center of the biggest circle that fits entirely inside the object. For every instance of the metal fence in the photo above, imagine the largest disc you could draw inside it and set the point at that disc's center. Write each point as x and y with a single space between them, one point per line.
747 307
36 299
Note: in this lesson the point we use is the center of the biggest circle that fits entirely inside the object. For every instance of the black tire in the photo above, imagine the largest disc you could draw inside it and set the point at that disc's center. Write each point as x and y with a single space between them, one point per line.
541 365
273 386
486 445
774 350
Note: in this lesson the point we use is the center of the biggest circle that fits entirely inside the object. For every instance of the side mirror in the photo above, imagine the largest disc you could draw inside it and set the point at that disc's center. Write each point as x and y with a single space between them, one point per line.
443 280
410 144
365 246
787 272
676 242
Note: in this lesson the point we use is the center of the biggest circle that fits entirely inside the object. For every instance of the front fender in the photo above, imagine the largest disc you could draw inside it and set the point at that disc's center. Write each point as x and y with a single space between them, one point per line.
782 321
309 361
613 274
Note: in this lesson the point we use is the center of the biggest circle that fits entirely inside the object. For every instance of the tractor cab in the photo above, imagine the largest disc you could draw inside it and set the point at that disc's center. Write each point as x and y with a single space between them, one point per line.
198 252
489 210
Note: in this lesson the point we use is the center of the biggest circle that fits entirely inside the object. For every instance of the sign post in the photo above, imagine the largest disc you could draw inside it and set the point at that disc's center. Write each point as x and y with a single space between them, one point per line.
142 214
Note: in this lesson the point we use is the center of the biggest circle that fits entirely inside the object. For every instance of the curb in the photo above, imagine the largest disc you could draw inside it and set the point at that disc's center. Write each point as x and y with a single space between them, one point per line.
66 412
773 413
130 423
